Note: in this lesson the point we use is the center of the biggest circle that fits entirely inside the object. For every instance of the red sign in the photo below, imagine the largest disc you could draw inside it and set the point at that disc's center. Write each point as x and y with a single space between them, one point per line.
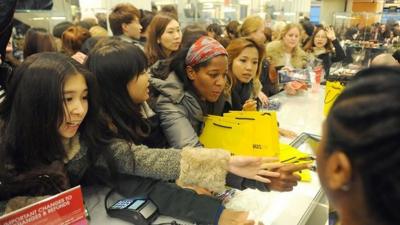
65 208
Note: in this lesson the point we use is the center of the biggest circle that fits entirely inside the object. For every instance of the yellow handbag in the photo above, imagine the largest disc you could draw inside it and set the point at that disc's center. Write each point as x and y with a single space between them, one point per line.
226 133
243 133
334 86
265 131
332 91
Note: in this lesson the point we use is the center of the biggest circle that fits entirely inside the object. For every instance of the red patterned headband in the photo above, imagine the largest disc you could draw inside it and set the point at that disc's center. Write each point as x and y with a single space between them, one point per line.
204 49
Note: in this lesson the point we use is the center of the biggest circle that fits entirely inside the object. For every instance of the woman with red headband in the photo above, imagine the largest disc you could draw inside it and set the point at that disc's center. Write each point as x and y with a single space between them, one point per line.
197 86
192 90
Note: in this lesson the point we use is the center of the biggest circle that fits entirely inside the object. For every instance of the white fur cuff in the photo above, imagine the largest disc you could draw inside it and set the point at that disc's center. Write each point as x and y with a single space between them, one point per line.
206 168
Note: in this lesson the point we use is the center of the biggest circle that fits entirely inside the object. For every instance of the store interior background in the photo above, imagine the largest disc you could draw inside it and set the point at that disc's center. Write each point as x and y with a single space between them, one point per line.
339 13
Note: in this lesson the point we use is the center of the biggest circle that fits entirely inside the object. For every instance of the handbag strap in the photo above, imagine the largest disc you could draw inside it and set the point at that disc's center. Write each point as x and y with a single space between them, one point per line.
106 199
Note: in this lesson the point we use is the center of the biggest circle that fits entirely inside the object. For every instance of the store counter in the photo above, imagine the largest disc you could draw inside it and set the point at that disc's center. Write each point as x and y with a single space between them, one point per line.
306 204
302 112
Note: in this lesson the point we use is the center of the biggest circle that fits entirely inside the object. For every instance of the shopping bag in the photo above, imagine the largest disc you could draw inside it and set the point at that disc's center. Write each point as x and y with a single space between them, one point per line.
290 154
243 133
226 133
332 91
334 86
265 131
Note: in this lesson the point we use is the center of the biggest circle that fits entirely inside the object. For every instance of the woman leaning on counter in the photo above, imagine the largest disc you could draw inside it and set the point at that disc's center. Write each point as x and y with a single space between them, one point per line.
286 53
196 87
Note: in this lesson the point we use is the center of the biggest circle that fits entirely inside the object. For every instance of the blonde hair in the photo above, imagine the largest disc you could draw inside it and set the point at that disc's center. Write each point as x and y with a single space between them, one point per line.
277 28
98 31
250 25
285 30
276 49
288 27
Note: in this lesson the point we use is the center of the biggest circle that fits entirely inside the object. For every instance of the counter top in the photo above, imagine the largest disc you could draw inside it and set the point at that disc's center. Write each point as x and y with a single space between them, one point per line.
302 112
304 205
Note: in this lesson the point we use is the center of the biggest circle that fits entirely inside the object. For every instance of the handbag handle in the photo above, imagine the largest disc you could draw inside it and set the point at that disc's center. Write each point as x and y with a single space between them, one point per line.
219 125
244 118
332 99
247 118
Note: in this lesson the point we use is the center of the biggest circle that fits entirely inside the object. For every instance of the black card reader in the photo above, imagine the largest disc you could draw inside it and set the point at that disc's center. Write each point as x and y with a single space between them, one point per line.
138 210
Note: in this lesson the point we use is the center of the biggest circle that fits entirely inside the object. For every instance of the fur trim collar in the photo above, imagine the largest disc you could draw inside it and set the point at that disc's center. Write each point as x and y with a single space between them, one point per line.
72 147
275 55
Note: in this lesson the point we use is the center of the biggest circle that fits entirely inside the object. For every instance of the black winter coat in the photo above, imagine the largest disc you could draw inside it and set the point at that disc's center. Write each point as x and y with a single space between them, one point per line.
329 58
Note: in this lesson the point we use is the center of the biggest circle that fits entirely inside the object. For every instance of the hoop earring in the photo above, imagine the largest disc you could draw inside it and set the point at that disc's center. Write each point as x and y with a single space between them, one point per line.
345 187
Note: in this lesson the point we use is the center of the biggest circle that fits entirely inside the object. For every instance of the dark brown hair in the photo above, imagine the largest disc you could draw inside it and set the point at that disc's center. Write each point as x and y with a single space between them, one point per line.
122 13
310 44
232 29
169 9
372 147
38 40
156 28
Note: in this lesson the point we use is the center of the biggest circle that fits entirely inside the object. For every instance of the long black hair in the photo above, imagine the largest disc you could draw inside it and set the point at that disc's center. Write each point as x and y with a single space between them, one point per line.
364 123
178 64
115 63
33 111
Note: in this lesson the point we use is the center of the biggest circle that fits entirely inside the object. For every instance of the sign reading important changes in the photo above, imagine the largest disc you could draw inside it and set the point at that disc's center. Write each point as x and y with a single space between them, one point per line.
64 208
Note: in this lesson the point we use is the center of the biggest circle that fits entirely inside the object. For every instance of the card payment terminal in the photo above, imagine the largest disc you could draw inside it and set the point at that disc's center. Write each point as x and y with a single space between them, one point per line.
138 211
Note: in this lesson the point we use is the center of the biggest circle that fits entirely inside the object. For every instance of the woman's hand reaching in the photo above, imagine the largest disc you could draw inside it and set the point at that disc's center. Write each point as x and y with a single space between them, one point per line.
330 33
255 168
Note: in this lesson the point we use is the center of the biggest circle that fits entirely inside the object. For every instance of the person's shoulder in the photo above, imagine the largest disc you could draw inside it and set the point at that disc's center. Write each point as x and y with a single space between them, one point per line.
301 52
161 69
170 89
274 49
119 144
274 45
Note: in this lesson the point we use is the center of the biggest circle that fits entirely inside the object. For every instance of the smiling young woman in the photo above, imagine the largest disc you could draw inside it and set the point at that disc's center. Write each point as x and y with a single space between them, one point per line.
48 103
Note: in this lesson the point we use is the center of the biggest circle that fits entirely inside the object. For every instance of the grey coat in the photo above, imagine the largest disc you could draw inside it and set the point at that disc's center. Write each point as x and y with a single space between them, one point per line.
163 164
130 159
180 113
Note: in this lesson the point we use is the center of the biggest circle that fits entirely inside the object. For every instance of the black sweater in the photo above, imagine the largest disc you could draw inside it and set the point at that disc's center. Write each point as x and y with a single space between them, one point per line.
329 58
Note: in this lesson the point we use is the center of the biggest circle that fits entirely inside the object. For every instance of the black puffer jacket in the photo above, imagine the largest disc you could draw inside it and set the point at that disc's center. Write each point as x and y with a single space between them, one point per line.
6 16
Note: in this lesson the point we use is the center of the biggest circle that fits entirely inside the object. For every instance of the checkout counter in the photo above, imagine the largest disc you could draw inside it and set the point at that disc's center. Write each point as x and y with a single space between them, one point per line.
305 205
